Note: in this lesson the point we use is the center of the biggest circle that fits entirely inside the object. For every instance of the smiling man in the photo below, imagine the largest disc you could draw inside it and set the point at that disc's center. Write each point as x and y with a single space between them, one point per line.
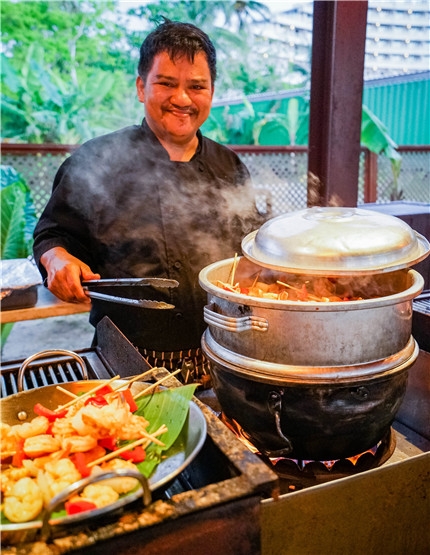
157 199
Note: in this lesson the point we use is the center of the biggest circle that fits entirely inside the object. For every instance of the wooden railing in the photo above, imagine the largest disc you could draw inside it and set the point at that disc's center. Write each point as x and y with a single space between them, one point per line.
280 172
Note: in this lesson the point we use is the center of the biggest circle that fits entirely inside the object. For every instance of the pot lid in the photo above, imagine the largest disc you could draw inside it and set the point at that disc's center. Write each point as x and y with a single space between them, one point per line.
335 241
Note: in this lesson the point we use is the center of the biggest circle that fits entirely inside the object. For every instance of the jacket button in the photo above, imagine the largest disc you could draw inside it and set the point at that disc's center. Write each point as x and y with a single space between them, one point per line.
179 316
177 265
201 167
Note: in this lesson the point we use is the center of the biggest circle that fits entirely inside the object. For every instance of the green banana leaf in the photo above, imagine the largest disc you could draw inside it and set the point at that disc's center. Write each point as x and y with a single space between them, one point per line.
375 136
169 407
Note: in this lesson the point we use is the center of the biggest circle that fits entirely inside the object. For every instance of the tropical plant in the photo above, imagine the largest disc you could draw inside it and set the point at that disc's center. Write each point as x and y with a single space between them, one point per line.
18 215
18 219
38 106
68 67
276 125
66 76
375 136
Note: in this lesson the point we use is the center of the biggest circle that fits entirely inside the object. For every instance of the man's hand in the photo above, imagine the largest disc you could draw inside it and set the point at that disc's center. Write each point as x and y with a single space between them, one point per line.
65 273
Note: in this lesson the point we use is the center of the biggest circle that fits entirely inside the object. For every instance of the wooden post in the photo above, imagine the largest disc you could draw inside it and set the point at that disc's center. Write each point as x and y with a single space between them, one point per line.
338 47
370 176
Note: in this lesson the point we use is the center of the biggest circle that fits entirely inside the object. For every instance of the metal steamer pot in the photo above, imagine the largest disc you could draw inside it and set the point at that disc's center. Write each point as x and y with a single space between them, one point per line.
316 380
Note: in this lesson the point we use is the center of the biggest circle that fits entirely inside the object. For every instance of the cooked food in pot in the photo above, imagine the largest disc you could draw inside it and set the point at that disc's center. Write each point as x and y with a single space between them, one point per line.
266 284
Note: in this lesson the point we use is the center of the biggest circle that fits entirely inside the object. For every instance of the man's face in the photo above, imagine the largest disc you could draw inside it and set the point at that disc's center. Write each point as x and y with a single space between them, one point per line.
177 97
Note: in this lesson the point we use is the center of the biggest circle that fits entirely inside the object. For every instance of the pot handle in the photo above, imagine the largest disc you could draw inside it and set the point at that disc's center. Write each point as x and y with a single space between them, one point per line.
76 487
230 323
274 404
49 353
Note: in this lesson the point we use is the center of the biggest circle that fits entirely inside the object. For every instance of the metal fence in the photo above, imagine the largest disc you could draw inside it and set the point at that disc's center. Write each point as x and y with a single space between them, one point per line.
279 175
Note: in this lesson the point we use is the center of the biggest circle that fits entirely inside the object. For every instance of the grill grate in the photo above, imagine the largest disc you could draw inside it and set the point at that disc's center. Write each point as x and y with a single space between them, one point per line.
62 372
422 305
40 374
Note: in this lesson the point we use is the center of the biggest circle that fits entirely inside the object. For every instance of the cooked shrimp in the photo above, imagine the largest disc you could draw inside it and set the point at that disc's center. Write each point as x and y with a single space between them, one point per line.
37 426
58 475
24 501
102 421
78 444
62 427
40 445
10 476
100 495
121 484
8 441
134 428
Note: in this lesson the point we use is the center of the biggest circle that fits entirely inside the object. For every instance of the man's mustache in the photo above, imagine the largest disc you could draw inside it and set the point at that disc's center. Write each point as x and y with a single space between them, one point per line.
186 111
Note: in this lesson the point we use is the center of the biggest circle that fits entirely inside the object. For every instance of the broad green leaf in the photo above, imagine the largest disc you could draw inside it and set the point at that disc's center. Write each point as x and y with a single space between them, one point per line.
18 216
169 407
12 223
375 136
8 74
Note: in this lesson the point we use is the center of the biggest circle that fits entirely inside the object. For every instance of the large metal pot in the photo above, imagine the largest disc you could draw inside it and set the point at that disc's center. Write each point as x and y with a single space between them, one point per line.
309 413
309 333
316 380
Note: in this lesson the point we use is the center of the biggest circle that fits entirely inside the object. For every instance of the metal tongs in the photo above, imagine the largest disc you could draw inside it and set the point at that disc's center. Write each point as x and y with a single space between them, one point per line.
134 282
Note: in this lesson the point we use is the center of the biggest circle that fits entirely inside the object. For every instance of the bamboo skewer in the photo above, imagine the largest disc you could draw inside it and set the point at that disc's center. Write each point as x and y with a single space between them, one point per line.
233 270
145 391
313 297
87 394
147 438
256 279
122 386
67 392
132 380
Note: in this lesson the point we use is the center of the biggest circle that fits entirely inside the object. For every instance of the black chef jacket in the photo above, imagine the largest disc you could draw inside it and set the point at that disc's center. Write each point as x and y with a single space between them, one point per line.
123 207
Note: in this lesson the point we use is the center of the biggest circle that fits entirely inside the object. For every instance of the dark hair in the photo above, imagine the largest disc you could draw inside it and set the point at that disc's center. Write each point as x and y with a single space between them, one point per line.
177 39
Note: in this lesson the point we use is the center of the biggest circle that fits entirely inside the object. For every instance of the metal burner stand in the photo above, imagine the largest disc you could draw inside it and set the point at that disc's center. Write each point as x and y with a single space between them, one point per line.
228 502
382 510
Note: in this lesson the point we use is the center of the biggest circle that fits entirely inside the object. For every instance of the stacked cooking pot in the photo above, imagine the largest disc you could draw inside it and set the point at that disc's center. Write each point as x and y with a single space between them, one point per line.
316 380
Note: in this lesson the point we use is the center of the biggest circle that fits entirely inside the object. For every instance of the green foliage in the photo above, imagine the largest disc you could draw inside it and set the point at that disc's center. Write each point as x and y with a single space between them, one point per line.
169 407
375 136
18 216
38 106
68 67
65 73
280 124
18 219
68 71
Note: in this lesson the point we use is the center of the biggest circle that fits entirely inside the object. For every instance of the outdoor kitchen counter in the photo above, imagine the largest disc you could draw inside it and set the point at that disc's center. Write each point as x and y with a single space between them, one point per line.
47 305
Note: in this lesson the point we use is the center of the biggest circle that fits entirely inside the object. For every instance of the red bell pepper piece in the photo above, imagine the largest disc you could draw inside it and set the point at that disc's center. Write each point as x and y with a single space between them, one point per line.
128 397
19 455
80 461
51 415
108 443
135 455
76 507
98 401
104 390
